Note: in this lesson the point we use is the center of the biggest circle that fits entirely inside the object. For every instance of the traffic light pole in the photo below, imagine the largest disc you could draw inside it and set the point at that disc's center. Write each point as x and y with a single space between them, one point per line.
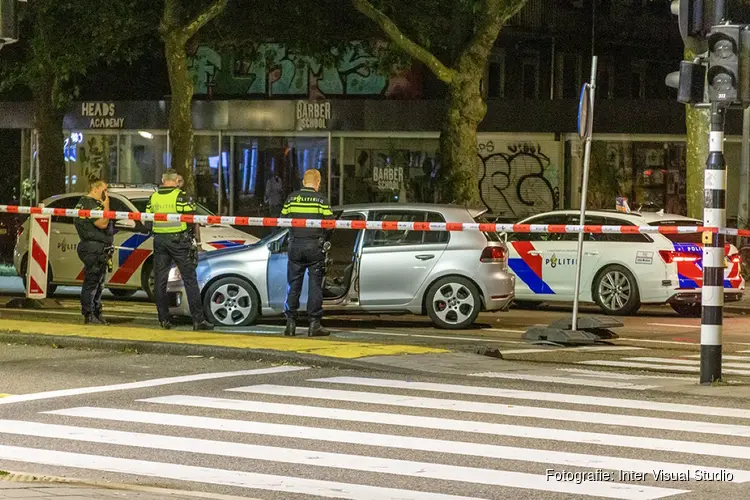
714 215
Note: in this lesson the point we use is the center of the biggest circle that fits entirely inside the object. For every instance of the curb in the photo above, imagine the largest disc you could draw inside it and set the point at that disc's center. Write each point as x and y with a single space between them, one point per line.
20 477
179 349
42 481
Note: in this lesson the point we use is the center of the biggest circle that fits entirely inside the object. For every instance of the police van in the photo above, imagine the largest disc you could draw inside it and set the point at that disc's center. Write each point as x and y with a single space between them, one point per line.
620 272
133 263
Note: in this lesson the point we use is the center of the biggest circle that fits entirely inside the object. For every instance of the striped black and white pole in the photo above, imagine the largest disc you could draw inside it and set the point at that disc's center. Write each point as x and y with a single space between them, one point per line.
714 215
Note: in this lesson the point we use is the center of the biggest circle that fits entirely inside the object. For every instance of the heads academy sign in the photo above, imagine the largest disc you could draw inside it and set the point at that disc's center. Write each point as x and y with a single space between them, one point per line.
101 115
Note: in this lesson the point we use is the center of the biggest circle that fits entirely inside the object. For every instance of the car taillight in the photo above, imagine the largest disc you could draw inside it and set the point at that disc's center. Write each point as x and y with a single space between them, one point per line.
19 231
668 256
735 259
493 254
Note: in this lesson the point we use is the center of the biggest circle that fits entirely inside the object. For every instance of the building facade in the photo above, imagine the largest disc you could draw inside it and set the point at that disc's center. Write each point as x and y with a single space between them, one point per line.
375 137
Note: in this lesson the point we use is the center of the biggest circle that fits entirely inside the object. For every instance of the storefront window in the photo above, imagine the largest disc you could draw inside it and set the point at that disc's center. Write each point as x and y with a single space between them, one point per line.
206 169
142 158
650 174
267 169
390 170
89 155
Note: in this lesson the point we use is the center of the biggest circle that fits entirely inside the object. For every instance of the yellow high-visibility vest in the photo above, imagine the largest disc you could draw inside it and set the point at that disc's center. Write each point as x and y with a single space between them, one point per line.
169 201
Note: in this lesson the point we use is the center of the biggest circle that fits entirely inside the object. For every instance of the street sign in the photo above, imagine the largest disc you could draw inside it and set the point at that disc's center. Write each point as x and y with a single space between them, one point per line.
585 117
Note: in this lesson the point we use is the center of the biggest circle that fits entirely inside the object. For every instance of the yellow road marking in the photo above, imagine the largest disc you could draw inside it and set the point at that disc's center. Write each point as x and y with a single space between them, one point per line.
4 395
322 347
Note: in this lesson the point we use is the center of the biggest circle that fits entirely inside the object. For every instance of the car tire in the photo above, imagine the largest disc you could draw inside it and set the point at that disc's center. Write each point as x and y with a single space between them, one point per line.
121 293
615 291
688 310
51 288
453 303
231 301
148 280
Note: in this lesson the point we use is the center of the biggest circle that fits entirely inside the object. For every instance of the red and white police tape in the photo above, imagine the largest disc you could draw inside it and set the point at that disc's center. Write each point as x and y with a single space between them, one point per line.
376 225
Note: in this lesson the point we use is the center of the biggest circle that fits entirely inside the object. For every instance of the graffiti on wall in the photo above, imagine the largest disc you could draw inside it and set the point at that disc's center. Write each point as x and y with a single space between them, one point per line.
518 179
279 71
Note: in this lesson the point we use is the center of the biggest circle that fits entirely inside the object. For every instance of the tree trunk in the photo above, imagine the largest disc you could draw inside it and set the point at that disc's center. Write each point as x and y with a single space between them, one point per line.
48 121
697 123
459 155
180 111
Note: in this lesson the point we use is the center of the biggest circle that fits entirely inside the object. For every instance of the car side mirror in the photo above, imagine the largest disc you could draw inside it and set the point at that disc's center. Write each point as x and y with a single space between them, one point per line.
125 224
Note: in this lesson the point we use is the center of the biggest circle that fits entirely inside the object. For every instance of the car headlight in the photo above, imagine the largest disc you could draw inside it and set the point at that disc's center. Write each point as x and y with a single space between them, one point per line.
174 274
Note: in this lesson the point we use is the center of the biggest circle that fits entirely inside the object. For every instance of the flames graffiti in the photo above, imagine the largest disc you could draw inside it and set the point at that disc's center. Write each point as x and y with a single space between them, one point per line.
516 183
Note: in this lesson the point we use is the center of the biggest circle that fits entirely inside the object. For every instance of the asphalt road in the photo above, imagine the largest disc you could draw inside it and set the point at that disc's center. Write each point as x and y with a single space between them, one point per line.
290 432
666 341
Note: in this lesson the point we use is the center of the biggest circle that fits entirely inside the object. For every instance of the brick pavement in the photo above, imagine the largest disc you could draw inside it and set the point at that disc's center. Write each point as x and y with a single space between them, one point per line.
51 490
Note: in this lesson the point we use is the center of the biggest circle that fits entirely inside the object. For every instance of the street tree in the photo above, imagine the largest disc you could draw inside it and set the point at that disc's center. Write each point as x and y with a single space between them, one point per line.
181 21
697 124
60 42
453 39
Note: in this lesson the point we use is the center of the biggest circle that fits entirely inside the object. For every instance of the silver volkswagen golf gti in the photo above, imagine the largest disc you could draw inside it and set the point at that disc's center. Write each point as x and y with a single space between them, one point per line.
449 276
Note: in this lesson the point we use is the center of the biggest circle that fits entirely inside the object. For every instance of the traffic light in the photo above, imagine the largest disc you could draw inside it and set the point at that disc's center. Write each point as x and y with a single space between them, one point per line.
724 63
690 82
695 19
8 21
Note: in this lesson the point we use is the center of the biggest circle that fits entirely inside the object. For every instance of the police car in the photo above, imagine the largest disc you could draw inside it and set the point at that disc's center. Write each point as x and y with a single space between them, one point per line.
133 263
620 272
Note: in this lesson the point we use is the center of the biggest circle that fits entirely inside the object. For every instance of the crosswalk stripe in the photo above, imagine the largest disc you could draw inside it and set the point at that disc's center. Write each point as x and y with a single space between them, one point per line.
469 426
689 362
635 404
725 356
333 460
564 380
618 375
147 383
249 480
393 441
574 349
609 419
654 366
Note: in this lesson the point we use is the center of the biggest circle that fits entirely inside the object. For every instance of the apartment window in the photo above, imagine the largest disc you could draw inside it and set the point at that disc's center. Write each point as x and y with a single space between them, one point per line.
494 78
530 75
604 82
638 80
570 78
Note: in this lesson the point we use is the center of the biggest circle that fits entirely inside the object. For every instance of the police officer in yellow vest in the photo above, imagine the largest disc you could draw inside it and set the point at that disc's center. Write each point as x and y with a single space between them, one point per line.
307 253
174 243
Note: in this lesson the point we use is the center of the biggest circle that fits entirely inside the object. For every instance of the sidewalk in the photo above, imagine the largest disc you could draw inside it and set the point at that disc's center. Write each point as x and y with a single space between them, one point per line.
28 487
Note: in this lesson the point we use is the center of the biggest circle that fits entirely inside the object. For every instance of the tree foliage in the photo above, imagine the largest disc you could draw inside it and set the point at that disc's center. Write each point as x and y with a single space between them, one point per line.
61 40
454 39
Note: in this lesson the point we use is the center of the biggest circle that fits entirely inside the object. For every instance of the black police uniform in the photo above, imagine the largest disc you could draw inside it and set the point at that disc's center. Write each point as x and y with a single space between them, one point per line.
94 250
173 242
306 253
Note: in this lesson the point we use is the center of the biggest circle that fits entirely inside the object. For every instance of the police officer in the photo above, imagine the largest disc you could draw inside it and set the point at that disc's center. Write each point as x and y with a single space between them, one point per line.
94 250
174 243
307 252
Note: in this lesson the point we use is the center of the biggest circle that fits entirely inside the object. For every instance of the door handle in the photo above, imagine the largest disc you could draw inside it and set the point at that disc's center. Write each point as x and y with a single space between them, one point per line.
425 257
592 253
535 253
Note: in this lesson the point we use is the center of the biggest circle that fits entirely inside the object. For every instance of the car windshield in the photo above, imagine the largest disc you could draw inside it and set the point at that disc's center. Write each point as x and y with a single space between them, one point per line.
140 205
683 237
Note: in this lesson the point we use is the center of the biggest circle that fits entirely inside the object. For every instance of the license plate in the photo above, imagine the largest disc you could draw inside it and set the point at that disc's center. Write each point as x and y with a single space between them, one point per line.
3 231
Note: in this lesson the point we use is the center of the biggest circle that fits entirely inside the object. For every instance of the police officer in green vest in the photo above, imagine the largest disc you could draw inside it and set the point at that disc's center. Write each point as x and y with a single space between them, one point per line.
175 242
307 254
